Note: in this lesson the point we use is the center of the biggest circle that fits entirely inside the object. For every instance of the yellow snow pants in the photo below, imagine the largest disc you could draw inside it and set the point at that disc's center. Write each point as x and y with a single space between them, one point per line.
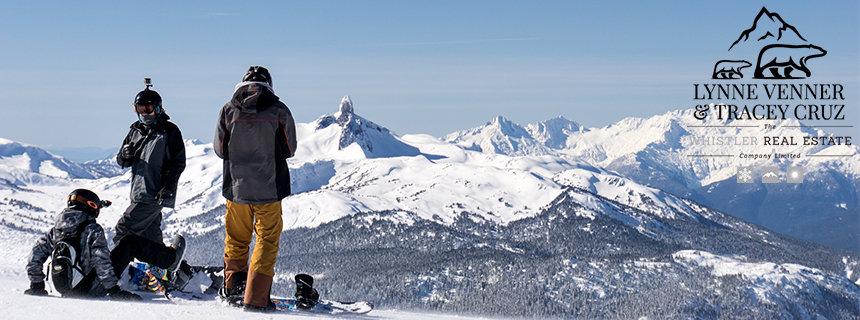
240 223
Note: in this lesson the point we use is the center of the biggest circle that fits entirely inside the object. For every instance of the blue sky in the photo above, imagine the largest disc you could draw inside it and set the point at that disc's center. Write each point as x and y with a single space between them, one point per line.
71 68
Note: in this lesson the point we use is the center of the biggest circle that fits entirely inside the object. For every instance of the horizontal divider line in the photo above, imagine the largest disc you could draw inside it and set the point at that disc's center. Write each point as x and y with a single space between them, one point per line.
818 126
722 126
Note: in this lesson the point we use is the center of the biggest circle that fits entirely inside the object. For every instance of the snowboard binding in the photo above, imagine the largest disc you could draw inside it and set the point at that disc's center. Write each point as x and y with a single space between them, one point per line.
179 278
306 296
235 295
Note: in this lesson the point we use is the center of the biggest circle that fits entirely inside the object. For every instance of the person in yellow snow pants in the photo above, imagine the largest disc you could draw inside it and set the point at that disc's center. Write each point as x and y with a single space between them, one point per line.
255 135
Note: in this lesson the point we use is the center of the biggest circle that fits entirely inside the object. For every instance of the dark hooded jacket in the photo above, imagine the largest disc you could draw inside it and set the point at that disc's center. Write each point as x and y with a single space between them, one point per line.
94 253
255 136
159 160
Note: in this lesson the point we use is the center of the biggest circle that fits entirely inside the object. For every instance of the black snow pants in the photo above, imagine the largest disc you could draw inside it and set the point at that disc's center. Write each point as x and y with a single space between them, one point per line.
133 247
140 219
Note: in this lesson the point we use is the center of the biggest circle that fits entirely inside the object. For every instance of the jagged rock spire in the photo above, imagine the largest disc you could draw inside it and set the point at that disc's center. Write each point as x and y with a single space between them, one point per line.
353 130
374 140
346 111
346 105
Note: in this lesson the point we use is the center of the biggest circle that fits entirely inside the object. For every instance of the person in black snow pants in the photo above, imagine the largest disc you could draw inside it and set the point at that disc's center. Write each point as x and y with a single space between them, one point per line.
155 151
77 226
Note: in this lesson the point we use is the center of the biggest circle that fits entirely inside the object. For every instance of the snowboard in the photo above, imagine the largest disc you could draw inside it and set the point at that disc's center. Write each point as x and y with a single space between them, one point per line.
201 283
325 306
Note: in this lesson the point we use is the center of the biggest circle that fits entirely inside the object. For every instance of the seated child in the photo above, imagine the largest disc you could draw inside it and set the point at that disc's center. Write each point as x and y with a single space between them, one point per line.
81 264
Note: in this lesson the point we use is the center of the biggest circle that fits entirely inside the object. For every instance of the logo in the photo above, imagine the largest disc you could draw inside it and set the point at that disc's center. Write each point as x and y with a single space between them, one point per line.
794 175
752 113
776 52
745 175
782 53
770 174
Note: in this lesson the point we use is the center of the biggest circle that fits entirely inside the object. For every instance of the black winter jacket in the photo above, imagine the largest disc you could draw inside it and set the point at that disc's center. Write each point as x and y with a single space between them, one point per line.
255 136
94 252
159 160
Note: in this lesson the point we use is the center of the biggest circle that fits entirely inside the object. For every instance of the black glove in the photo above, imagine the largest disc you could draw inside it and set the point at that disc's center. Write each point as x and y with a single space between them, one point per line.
36 289
116 293
127 153
164 194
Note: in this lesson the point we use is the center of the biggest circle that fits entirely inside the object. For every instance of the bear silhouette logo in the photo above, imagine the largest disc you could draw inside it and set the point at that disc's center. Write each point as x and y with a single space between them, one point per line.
729 69
782 52
781 61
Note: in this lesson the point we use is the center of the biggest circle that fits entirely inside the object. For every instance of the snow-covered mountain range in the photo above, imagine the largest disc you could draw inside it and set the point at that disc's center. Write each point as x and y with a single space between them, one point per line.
548 219
664 151
24 164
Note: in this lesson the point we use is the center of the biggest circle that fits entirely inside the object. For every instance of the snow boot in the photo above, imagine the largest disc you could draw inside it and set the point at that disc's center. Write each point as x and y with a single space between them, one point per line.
306 295
174 281
178 244
235 295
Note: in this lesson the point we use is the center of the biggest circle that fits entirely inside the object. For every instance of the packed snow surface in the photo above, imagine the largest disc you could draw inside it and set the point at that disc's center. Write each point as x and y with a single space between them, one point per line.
17 306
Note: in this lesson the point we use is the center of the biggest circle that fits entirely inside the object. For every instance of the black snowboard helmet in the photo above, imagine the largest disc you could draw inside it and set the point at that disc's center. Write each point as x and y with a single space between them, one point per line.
146 102
87 201
148 98
258 73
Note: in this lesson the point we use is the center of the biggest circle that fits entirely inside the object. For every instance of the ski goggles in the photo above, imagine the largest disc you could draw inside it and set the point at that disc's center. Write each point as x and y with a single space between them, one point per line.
143 108
91 204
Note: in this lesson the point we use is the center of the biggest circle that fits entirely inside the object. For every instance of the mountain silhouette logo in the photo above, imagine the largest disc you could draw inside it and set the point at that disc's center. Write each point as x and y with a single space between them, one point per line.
770 174
782 53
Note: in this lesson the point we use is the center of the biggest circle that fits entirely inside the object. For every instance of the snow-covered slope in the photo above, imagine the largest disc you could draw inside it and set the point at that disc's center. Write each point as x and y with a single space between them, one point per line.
768 277
599 250
20 307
